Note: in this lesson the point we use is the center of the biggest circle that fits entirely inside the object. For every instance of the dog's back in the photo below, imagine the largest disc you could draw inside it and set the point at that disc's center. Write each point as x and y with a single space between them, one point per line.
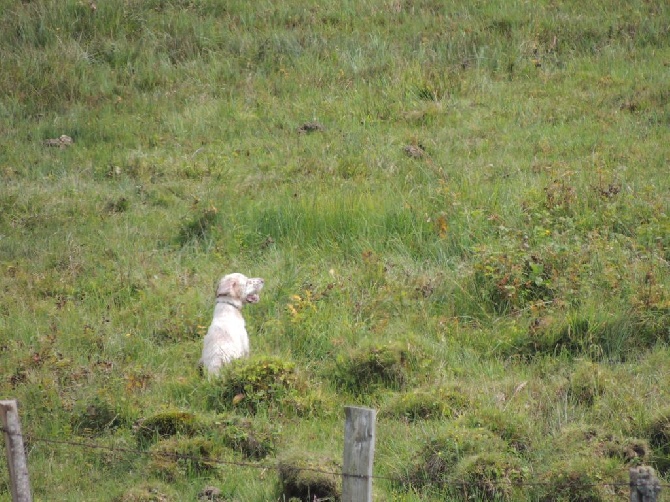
227 337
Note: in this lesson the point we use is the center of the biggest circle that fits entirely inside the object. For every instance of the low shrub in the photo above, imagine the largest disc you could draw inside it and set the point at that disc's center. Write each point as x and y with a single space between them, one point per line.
510 281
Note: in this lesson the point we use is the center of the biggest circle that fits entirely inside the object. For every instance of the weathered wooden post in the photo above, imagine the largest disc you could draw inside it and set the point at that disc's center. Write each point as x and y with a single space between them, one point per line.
644 485
359 452
16 454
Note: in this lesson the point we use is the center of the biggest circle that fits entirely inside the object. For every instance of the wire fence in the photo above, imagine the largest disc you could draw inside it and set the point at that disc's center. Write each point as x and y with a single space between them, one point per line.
32 439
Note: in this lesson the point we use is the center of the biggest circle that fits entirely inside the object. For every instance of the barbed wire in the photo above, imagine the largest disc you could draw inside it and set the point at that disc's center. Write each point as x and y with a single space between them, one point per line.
264 466
176 455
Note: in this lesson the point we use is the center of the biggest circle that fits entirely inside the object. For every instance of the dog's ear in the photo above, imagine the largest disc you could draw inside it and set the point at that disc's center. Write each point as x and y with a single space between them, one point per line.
228 286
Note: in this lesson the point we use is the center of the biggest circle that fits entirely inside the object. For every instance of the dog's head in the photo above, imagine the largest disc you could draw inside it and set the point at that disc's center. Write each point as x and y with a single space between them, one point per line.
239 289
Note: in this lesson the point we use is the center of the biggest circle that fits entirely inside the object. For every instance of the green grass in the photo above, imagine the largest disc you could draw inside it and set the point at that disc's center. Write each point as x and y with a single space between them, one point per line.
511 284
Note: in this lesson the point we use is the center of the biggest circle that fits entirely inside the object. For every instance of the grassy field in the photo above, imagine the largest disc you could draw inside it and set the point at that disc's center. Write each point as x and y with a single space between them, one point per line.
460 209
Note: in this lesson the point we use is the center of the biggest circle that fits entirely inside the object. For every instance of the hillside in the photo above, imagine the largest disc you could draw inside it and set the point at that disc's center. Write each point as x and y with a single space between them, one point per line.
460 210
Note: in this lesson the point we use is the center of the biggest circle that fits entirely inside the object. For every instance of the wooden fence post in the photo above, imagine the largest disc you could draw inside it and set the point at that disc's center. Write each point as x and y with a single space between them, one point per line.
359 452
16 454
644 485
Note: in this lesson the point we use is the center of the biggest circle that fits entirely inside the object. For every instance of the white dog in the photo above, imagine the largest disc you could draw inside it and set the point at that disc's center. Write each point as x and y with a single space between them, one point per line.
227 337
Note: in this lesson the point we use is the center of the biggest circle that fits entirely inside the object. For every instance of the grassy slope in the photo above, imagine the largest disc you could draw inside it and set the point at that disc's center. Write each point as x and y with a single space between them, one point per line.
530 245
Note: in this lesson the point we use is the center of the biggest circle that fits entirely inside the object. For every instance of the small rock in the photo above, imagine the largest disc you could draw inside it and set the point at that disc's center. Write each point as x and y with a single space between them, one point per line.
308 127
414 151
210 493
61 142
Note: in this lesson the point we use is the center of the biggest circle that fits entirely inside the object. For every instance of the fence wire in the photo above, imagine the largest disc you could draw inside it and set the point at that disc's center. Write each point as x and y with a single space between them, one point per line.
261 466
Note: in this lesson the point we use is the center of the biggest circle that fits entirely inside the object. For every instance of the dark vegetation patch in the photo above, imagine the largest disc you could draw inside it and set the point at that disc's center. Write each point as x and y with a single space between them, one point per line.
658 434
306 477
582 479
164 425
244 436
95 416
199 227
372 367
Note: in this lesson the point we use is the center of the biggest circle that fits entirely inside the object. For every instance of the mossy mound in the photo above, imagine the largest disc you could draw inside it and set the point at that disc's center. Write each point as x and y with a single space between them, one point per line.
304 477
177 457
582 479
593 441
658 434
512 428
488 476
375 366
148 492
95 416
630 451
588 382
426 404
595 336
436 461
262 383
245 437
166 424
